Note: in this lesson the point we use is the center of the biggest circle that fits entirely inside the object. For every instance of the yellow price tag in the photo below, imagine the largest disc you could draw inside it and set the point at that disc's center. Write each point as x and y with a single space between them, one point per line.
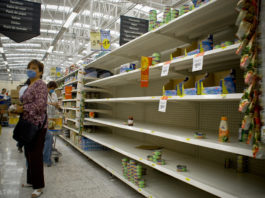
150 197
169 96
153 132
188 139
113 147
140 189
140 159
187 179
153 97
153 165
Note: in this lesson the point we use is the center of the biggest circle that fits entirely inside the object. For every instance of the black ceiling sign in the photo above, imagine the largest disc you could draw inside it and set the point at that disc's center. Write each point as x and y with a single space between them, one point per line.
19 19
132 28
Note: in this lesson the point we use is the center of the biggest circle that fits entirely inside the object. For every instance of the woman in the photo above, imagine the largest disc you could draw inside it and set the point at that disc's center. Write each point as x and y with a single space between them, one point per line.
34 110
53 106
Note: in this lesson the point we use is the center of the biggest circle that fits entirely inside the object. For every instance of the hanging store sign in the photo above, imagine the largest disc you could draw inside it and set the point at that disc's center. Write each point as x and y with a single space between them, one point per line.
100 40
95 40
145 64
132 28
105 40
19 19
53 72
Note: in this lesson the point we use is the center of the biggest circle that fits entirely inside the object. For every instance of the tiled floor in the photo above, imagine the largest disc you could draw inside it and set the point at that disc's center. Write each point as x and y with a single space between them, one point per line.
74 175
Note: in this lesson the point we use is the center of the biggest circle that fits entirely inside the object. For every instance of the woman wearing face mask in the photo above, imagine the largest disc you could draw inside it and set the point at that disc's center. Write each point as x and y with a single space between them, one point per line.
53 106
34 110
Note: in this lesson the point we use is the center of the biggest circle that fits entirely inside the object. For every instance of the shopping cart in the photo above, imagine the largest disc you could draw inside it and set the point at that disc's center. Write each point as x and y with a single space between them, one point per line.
55 127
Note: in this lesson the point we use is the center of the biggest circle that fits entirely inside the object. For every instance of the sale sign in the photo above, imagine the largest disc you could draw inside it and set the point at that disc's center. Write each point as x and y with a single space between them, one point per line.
145 63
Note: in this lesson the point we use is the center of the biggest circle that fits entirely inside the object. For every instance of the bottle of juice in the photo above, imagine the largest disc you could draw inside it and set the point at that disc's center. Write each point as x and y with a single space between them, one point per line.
223 130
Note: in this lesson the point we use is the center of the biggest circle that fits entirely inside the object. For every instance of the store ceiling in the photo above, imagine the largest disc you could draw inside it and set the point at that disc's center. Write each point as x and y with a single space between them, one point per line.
70 44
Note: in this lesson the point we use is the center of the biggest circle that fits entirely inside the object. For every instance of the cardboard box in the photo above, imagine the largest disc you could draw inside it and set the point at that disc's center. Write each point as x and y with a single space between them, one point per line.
14 94
191 49
216 83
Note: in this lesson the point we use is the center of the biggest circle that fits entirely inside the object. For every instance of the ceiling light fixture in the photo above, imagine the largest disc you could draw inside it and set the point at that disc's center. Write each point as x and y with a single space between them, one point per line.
50 49
6 63
70 20
1 50
8 70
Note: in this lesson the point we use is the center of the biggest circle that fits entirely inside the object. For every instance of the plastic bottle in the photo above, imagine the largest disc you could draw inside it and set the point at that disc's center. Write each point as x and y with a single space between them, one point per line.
223 130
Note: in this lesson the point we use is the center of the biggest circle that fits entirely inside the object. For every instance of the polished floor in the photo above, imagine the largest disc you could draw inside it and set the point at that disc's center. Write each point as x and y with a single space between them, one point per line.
73 177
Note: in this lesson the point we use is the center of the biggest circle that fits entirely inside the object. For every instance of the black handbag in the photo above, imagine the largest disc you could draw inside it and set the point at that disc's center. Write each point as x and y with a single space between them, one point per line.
25 132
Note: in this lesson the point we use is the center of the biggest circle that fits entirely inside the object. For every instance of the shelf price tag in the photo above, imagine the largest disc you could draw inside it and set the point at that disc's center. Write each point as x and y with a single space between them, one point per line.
197 62
165 69
163 104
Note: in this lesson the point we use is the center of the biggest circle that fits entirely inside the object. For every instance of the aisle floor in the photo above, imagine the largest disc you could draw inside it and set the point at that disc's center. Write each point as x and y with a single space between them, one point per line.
74 176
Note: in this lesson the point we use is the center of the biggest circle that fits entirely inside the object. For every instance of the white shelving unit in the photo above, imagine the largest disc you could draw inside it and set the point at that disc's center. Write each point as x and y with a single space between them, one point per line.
174 130
210 17
198 98
159 185
69 108
179 134
71 129
205 175
210 59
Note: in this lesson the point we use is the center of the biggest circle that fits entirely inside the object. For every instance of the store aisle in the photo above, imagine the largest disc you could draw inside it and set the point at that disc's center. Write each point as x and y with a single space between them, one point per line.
74 175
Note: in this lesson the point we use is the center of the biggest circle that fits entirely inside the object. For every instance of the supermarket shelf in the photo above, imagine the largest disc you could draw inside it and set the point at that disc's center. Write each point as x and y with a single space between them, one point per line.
70 100
99 90
88 123
72 120
211 58
181 135
59 88
64 77
158 185
70 83
74 130
193 98
217 14
89 78
205 175
69 108
99 111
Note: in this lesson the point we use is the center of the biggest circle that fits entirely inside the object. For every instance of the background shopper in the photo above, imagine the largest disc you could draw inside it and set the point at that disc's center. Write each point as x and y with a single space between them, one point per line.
52 110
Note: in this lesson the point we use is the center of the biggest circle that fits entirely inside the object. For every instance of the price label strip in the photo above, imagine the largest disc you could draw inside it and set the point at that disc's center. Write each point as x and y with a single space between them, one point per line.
197 62
163 104
165 69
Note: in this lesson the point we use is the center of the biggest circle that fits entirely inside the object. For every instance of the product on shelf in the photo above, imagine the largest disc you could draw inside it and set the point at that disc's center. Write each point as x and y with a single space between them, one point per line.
181 168
206 44
192 49
130 121
152 19
242 164
247 22
89 145
216 83
127 67
133 172
146 62
174 13
199 135
91 72
104 74
156 157
156 58
223 130
167 14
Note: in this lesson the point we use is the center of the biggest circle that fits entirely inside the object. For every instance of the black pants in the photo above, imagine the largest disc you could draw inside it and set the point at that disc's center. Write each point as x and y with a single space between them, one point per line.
34 156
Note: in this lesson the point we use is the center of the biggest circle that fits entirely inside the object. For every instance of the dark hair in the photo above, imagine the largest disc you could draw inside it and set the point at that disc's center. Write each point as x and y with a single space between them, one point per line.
4 89
37 63
27 82
52 84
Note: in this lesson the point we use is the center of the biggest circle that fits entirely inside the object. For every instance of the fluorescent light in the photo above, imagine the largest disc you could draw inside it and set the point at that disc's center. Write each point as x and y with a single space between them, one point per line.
8 70
1 50
6 63
70 20
50 49
9 74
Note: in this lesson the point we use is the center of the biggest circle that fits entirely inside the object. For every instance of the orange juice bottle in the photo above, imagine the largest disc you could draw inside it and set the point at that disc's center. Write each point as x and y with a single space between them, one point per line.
223 130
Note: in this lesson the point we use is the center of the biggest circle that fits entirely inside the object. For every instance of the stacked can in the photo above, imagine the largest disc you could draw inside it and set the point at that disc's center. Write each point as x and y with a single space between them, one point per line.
156 157
152 19
133 172
156 58
174 13
184 9
242 164
167 14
